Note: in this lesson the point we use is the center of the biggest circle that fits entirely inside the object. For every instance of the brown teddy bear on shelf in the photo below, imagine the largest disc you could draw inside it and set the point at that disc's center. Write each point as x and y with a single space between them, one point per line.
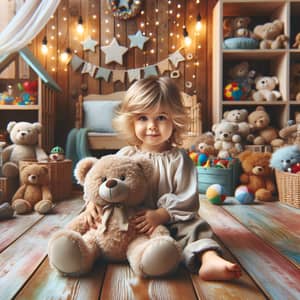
297 41
119 185
236 27
24 136
295 82
292 131
271 35
257 174
34 192
263 133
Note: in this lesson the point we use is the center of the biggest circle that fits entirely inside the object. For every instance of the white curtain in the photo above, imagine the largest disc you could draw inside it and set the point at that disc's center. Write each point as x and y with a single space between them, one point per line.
30 19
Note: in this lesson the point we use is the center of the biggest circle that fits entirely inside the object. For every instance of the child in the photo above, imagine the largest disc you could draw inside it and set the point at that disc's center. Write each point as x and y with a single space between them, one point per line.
153 120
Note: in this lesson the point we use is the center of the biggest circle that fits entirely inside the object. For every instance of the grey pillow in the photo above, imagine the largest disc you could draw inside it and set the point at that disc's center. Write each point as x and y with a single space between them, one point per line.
98 115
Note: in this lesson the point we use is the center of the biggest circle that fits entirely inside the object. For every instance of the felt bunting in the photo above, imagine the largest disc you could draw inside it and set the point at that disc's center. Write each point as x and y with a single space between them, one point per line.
150 71
103 73
163 66
89 68
76 62
118 75
176 58
134 74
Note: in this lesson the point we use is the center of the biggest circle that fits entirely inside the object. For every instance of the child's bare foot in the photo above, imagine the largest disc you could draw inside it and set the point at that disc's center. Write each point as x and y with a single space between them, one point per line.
215 267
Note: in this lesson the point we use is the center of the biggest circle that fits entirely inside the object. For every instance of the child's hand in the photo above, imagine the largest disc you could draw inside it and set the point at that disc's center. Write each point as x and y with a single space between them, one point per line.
92 214
146 221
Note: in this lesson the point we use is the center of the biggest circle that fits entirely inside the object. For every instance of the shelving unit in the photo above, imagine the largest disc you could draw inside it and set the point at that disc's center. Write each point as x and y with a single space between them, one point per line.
266 62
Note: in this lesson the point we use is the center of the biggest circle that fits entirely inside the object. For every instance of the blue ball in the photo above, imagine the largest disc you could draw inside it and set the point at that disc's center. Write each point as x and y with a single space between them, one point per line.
243 195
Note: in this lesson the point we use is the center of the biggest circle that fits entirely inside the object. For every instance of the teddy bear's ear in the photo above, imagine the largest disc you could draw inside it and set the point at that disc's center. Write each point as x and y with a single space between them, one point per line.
225 114
147 166
260 108
37 126
258 78
83 167
275 79
10 126
244 154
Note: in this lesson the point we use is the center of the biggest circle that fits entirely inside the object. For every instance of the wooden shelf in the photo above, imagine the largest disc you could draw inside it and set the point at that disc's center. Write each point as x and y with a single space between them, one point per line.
19 107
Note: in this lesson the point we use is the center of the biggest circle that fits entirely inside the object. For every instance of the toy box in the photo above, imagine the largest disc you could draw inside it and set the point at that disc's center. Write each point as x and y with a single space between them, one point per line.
227 177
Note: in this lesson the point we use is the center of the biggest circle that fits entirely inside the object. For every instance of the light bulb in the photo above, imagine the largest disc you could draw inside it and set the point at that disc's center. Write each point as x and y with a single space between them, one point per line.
187 39
80 27
65 56
198 24
44 47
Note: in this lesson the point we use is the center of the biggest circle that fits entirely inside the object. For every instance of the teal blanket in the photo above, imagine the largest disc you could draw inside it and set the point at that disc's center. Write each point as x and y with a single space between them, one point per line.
77 146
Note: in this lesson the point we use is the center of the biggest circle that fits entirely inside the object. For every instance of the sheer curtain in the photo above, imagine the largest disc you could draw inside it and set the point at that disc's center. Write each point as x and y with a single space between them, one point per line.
30 19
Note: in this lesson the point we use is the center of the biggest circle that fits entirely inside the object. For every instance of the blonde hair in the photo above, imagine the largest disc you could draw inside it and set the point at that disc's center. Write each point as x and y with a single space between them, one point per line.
145 94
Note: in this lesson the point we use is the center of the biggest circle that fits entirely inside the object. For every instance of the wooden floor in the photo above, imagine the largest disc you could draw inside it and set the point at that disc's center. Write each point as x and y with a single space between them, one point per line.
263 238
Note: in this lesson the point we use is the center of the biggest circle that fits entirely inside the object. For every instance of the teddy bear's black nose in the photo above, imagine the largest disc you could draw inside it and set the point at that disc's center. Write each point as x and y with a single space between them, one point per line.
111 183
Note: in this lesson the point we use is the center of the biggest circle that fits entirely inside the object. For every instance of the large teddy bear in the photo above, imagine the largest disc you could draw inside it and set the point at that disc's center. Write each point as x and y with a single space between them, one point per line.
265 89
257 174
239 117
263 133
271 35
24 136
34 192
119 186
227 139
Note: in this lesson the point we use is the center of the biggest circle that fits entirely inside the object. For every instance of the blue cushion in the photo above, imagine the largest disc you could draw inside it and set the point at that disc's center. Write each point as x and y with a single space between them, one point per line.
240 43
98 115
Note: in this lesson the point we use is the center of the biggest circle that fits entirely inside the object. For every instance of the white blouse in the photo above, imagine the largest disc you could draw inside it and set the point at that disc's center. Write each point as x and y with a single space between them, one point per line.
174 182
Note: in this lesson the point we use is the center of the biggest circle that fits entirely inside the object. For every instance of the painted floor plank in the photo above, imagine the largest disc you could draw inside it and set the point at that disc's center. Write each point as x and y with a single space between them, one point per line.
12 229
278 234
239 289
20 260
46 284
272 272
121 283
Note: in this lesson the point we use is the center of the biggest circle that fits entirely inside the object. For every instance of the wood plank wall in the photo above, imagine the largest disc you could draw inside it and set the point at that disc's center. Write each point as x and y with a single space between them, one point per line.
100 24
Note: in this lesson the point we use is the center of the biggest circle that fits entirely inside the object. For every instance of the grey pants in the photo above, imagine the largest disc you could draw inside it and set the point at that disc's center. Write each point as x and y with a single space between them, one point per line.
195 237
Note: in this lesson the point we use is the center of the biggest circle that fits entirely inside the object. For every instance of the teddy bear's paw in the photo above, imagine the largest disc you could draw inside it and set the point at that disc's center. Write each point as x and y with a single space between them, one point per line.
160 257
264 195
10 170
65 251
43 206
21 206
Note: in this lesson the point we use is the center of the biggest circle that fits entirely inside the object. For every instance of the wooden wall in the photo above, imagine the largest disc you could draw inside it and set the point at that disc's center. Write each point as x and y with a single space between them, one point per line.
165 38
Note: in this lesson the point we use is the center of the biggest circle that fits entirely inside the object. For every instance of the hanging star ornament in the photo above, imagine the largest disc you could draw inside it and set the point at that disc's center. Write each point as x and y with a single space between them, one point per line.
138 40
89 44
114 52
176 58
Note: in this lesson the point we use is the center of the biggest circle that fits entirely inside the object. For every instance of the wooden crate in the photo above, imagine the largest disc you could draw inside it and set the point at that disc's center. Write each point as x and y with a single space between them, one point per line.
259 148
60 175
8 186
227 177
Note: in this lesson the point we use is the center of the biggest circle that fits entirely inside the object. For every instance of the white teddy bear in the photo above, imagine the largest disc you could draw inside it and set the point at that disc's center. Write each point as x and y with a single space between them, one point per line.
227 139
24 136
265 86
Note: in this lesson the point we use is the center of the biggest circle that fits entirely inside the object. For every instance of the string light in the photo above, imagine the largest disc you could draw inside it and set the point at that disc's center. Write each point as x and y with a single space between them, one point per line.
44 47
65 56
198 23
187 39
80 27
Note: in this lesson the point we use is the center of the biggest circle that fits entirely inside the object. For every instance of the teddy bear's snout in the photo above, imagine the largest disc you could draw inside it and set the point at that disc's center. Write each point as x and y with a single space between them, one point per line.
111 183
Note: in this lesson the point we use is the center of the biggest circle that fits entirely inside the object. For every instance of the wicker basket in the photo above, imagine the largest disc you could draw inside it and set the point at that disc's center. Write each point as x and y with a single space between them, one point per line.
288 185
60 177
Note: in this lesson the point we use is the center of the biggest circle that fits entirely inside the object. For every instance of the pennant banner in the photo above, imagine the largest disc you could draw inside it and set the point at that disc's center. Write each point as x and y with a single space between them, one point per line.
133 74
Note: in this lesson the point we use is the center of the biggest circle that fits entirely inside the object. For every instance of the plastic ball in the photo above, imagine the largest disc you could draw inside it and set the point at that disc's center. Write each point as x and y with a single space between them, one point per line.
233 91
202 159
243 195
194 156
215 194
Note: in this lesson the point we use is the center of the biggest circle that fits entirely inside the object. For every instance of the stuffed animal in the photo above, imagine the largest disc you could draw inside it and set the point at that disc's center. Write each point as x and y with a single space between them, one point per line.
265 89
241 74
239 117
236 27
271 35
227 139
295 82
263 133
257 174
24 136
6 211
285 157
205 144
297 41
292 131
119 185
34 192
57 154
